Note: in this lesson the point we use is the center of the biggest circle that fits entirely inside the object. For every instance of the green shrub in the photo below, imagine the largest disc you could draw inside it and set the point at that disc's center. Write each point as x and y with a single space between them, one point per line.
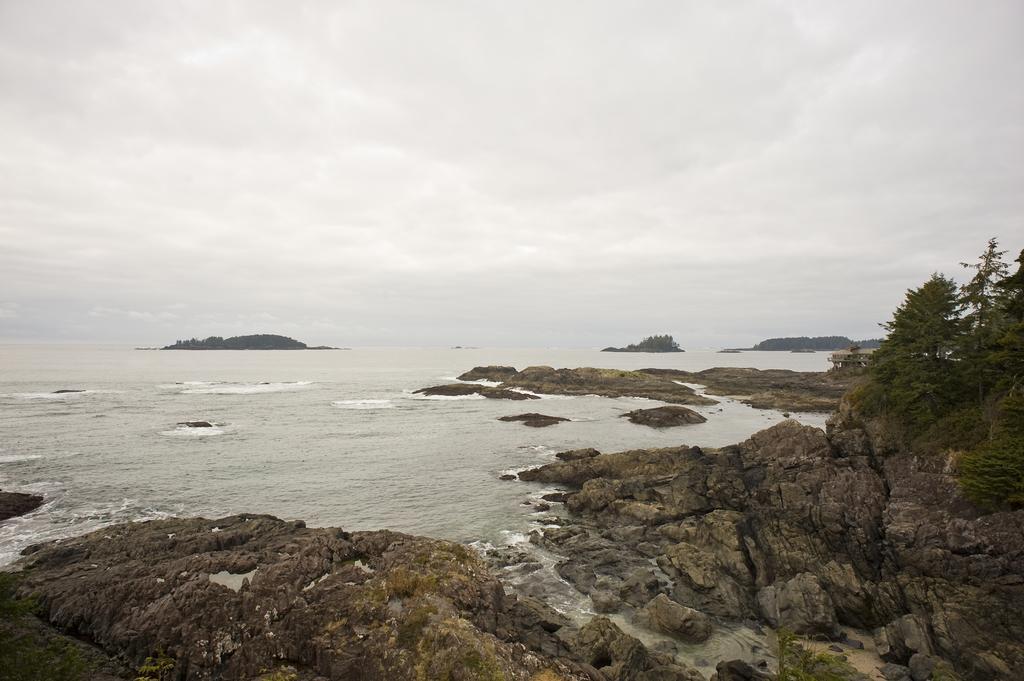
157 668
23 657
797 663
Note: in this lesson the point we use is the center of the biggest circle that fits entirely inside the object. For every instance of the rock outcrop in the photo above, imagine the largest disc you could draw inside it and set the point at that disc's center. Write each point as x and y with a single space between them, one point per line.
488 373
466 389
804 530
603 382
237 597
534 420
13 504
800 391
664 417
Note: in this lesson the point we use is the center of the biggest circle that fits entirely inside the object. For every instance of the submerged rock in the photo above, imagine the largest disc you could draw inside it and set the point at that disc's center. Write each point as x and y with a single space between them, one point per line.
195 424
534 420
664 417
67 390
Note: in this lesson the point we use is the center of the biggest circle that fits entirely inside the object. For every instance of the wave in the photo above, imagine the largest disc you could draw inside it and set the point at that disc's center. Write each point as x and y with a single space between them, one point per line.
52 521
12 458
479 381
447 398
51 395
363 404
224 388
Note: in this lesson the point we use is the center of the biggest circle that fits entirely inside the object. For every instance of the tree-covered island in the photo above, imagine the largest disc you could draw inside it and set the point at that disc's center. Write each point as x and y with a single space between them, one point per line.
259 341
650 344
814 343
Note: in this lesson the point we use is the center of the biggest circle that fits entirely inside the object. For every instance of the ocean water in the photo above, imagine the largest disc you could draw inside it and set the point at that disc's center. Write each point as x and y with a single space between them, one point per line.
331 437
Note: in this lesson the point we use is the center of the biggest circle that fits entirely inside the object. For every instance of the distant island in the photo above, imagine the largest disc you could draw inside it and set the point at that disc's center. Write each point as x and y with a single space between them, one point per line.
259 341
814 343
650 344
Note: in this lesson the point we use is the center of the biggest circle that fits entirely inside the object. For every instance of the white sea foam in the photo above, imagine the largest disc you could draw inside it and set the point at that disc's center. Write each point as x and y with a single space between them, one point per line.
50 395
447 398
543 396
242 388
12 458
363 404
479 381
511 538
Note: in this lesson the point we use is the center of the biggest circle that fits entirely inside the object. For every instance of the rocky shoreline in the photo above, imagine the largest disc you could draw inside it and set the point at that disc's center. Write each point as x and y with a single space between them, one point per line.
781 389
245 597
815 532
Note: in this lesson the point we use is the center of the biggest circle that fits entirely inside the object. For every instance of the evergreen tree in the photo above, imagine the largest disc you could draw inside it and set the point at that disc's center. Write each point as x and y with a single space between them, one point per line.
1006 359
914 367
992 475
984 318
1011 292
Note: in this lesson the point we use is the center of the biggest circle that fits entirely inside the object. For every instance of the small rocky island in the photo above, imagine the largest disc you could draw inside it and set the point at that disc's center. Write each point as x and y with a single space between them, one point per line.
664 417
259 341
650 344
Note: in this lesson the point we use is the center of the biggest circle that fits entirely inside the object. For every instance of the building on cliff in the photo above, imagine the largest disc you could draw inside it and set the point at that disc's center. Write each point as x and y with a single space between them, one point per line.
855 357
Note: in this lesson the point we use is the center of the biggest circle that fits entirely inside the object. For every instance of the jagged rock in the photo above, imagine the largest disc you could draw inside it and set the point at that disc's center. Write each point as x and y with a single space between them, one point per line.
738 670
534 420
13 504
260 592
901 638
508 476
663 614
620 657
800 605
605 601
664 417
556 497
922 666
894 672
488 373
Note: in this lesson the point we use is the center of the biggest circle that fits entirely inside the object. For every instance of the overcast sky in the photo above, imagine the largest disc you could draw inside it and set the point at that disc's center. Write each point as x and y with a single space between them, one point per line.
498 173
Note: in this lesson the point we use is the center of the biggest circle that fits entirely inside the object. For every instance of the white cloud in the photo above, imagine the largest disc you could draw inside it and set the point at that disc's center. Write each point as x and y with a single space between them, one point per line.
495 173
